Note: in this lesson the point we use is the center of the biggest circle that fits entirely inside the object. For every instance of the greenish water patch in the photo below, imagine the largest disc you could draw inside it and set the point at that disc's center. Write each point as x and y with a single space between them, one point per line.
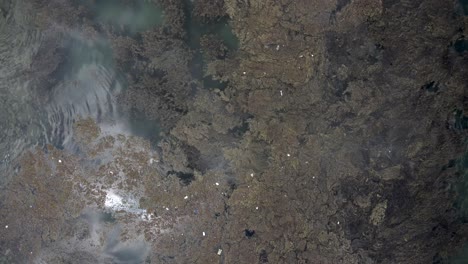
107 217
130 17
461 45
461 121
462 187
146 128
461 257
195 30
208 82
81 52
461 204
464 4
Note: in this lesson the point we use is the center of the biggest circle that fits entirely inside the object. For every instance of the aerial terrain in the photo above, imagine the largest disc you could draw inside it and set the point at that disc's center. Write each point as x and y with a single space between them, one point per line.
233 131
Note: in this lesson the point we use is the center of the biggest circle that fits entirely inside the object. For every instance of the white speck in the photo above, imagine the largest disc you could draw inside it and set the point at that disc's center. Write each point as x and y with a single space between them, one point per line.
111 172
220 251
203 233
6 226
256 208
167 208
244 73
30 252
186 197
307 162
338 222
217 183
281 92
312 55
289 155
151 161
248 186
277 47
313 177
60 161
301 56
30 206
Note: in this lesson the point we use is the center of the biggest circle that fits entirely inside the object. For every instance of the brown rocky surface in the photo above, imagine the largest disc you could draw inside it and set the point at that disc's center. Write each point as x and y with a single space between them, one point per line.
331 143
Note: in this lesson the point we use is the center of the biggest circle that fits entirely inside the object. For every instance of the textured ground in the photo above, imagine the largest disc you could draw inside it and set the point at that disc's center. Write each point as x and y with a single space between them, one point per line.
333 139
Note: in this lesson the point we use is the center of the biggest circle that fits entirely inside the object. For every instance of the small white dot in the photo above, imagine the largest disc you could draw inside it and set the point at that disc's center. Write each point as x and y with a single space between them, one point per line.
244 73
251 174
186 197
289 155
6 226
111 172
217 183
338 222
60 161
313 177
256 208
167 208
203 233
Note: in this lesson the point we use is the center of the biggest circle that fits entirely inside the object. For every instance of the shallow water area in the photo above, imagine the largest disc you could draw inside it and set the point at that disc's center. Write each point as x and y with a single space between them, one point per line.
127 16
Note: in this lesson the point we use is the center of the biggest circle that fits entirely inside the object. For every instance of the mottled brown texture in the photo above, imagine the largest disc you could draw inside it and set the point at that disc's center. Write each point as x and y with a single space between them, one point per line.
326 141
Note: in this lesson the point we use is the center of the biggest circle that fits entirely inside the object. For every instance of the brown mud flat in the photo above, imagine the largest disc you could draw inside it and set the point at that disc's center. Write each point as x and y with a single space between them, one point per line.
330 143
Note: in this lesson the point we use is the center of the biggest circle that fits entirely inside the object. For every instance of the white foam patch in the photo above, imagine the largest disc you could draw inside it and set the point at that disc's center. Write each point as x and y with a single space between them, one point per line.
128 204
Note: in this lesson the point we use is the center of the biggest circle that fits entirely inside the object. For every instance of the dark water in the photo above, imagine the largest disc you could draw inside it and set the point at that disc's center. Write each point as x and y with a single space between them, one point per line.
464 4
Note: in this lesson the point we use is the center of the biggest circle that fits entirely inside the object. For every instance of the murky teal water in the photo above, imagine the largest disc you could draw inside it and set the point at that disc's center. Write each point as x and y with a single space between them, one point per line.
195 30
129 17
464 4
